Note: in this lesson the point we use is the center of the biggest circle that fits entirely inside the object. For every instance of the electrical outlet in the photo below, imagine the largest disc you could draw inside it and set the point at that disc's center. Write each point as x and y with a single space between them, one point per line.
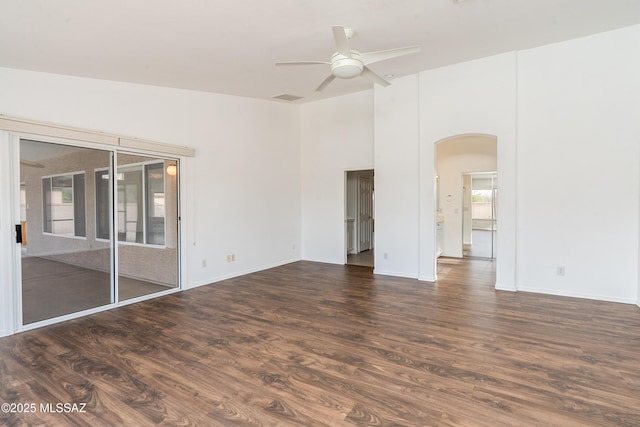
231 257
204 263
386 255
560 270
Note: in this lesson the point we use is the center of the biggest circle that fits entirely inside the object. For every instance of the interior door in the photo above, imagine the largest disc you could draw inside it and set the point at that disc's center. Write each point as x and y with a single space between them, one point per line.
365 212
65 267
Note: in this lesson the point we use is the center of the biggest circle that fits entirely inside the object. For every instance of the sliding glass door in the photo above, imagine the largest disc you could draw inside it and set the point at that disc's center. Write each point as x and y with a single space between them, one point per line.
66 267
480 220
96 227
147 218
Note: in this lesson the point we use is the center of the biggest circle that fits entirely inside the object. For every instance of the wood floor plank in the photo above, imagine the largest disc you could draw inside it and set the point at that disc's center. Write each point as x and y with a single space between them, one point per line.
326 345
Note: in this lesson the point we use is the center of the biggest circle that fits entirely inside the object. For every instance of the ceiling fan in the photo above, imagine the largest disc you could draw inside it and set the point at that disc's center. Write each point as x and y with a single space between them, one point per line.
347 63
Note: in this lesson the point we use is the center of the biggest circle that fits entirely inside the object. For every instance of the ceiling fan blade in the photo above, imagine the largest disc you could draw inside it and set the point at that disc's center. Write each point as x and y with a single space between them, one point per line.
342 43
302 62
325 82
381 55
368 74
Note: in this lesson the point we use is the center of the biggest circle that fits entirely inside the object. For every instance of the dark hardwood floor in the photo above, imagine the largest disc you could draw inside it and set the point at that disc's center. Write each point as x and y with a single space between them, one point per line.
316 344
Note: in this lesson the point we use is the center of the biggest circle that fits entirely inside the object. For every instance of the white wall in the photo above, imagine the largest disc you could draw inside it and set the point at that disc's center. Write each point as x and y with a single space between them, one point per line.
7 237
337 135
243 187
476 97
397 178
576 188
455 157
578 166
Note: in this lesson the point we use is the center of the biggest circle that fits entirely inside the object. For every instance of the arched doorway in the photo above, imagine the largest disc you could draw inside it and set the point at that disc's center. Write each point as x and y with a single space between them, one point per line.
457 160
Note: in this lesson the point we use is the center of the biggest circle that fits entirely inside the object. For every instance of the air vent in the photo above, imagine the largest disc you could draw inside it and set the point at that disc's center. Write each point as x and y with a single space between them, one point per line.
286 97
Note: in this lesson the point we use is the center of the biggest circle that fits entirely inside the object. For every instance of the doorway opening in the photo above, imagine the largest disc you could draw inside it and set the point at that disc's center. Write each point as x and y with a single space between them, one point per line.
457 161
479 226
360 218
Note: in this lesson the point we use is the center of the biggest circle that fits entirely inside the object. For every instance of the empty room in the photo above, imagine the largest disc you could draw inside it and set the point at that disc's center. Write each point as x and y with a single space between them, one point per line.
320 213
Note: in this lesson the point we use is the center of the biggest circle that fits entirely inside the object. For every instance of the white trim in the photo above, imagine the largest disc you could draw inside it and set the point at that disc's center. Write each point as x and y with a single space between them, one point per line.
25 126
139 144
13 124
323 261
245 272
113 224
395 274
576 295
9 176
499 287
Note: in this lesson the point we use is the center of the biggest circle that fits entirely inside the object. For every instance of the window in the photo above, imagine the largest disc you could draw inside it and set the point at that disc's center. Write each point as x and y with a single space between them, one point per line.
482 204
141 203
155 212
63 198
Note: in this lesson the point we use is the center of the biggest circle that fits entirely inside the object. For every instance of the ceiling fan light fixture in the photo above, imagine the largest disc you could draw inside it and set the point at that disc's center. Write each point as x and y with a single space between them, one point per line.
346 68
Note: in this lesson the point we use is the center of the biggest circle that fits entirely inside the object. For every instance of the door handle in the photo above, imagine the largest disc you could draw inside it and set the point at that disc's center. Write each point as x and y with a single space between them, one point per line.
18 233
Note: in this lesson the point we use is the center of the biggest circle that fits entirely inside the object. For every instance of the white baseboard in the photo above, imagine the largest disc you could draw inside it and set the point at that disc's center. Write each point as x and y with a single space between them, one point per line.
238 274
511 288
577 295
324 261
395 274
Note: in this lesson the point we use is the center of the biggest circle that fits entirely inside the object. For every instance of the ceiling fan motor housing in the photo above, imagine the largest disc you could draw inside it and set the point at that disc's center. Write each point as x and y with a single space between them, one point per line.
346 68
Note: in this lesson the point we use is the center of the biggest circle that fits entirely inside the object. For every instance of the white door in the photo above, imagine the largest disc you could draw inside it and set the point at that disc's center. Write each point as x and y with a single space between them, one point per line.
365 212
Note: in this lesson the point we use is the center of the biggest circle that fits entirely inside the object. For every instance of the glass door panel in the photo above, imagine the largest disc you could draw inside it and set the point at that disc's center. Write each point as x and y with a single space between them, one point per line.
147 218
65 263
480 231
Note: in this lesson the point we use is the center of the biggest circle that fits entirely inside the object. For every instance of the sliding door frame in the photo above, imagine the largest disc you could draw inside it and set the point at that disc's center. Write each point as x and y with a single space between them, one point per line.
14 138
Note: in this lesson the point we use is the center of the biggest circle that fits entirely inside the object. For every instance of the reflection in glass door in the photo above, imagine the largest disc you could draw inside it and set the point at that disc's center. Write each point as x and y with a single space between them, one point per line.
73 210
147 225
65 264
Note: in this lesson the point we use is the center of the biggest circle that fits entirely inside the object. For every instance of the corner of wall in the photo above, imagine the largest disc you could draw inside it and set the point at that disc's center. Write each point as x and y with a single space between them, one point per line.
431 279
501 287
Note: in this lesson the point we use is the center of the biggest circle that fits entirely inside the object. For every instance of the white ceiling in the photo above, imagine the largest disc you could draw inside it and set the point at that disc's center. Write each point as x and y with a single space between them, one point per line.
230 46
